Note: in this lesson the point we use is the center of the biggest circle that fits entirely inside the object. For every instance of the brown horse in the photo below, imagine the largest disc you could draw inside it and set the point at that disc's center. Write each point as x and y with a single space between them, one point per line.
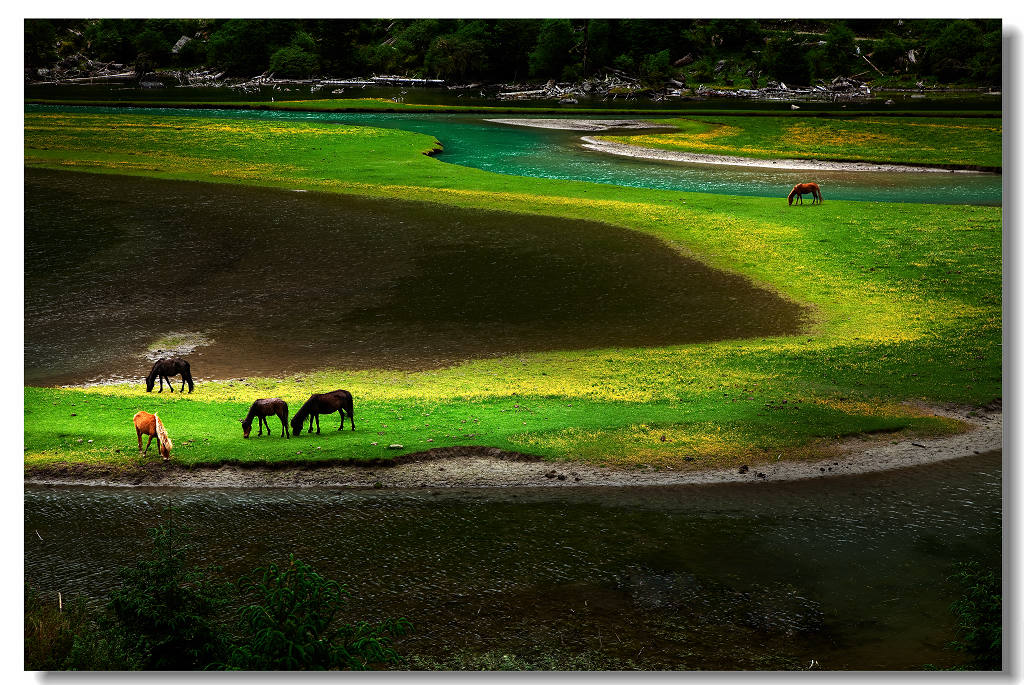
261 409
801 189
325 403
170 366
151 425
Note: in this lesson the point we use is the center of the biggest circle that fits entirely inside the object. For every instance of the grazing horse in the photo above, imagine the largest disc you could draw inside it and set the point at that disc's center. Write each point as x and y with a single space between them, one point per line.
326 403
170 366
151 425
801 189
261 409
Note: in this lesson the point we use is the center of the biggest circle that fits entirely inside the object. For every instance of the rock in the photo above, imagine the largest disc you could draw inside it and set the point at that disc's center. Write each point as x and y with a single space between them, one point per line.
396 447
182 42
550 474
744 468
890 102
794 107
561 476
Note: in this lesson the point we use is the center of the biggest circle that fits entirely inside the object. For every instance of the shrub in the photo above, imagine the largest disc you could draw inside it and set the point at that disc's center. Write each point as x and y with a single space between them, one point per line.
979 614
290 625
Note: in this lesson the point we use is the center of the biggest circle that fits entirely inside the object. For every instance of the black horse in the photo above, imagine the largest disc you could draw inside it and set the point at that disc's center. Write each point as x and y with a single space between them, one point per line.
324 403
170 366
261 409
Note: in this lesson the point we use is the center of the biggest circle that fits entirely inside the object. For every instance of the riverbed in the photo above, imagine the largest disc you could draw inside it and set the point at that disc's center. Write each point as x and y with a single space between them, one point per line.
851 572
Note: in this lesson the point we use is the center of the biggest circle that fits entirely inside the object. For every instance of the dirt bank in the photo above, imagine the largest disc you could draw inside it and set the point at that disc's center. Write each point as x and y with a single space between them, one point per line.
483 467
820 165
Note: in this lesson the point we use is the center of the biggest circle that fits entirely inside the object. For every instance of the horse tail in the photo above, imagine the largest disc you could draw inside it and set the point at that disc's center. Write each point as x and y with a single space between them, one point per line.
348 407
163 439
187 373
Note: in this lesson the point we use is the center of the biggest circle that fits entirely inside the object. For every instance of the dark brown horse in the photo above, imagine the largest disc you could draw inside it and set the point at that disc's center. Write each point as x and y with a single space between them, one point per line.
801 189
326 403
261 409
169 366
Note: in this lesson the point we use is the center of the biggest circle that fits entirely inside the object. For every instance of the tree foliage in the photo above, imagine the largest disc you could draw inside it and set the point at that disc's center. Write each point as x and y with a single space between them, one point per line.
165 608
797 51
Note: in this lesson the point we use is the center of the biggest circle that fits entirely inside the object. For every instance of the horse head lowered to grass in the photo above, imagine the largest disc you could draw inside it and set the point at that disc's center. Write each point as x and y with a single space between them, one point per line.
324 403
151 425
170 366
801 189
261 409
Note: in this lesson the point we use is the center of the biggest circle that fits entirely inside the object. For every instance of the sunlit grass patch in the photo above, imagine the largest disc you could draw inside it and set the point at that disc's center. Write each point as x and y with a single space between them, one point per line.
904 304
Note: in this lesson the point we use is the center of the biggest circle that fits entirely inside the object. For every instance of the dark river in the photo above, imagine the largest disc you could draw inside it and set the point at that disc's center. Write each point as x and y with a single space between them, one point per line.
852 572
279 282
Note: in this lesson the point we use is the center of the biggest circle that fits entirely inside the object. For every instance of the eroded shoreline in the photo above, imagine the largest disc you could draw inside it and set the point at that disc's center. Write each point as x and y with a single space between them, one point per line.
473 467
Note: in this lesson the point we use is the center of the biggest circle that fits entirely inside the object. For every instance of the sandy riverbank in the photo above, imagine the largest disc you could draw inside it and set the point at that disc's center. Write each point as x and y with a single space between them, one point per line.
590 143
581 124
482 467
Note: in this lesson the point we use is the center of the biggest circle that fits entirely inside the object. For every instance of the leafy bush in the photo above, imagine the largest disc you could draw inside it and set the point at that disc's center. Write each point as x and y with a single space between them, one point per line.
290 625
68 636
979 614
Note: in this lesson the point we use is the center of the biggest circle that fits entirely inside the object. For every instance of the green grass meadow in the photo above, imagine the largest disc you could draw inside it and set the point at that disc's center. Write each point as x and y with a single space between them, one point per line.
904 301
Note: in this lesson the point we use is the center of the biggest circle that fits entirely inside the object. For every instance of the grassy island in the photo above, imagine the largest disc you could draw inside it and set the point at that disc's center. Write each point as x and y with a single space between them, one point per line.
903 301
937 141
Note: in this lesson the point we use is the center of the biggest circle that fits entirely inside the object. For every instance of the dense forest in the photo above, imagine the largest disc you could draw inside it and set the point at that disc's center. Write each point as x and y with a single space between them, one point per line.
730 52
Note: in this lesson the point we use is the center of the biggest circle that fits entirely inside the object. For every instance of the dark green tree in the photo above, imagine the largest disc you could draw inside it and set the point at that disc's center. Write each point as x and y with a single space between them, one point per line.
40 43
948 54
837 55
290 625
165 609
785 59
244 46
552 53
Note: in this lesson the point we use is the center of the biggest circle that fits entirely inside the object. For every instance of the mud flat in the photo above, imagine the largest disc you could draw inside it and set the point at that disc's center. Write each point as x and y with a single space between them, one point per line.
471 467
613 148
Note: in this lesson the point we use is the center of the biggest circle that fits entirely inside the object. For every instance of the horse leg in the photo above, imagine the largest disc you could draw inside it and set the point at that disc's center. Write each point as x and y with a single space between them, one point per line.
138 434
341 413
284 425
317 424
311 423
182 383
147 445
170 386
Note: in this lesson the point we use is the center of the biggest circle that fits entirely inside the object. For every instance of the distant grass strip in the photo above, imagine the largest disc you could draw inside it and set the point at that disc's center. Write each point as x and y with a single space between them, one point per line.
906 308
385 105
969 143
